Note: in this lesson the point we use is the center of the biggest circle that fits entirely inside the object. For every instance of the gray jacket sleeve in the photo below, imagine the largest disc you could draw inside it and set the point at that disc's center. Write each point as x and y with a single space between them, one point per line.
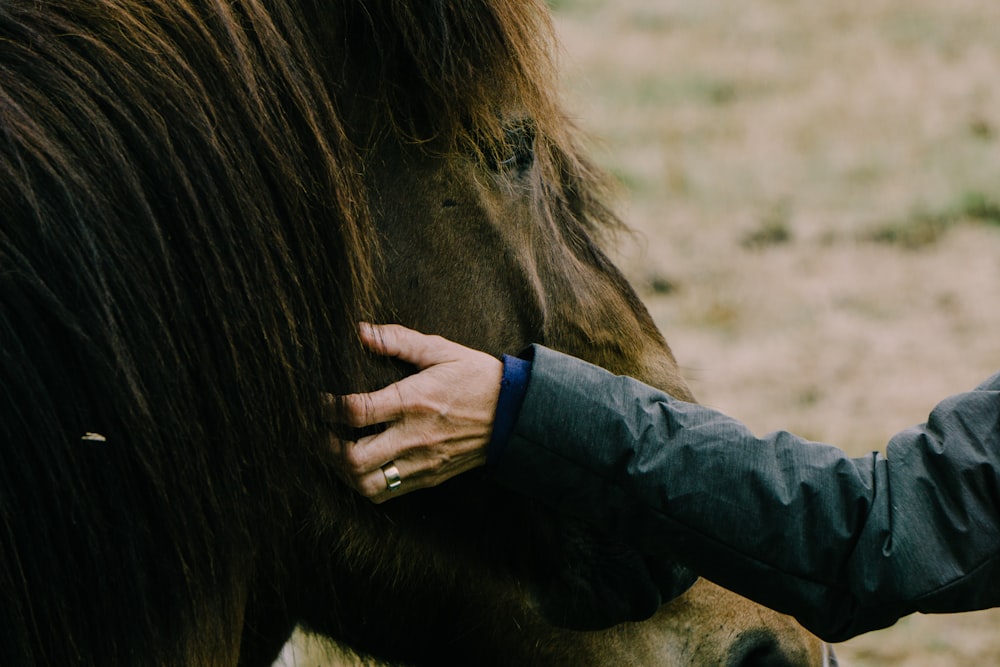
846 545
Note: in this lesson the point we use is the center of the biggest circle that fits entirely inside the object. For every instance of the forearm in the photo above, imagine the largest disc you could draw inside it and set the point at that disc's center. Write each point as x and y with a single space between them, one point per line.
795 525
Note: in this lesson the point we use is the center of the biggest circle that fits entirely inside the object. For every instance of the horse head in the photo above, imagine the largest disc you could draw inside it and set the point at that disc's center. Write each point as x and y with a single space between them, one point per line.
491 220
201 200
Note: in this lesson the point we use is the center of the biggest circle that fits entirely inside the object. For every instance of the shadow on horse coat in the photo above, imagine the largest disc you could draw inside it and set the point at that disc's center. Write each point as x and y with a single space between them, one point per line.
200 200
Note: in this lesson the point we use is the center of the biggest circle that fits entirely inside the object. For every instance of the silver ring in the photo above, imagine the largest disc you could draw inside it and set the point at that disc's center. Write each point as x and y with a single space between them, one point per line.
392 478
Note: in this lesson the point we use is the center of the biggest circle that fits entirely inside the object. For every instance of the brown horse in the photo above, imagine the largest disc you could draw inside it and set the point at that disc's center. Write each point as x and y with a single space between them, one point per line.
196 195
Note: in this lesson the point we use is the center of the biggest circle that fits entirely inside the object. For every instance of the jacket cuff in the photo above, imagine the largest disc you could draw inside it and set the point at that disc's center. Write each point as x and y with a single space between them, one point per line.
513 387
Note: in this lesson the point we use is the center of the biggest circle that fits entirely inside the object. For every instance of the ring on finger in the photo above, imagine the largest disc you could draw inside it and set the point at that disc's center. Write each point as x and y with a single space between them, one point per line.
392 479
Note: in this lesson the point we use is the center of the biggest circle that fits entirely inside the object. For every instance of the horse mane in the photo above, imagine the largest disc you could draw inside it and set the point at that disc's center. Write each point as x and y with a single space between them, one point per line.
185 251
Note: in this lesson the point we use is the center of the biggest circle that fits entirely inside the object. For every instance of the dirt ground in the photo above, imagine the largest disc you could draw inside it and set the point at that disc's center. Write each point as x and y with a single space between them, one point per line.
816 193
815 189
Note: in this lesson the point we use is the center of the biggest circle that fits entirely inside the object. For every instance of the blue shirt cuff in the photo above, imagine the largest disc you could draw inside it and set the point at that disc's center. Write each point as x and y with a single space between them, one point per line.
513 387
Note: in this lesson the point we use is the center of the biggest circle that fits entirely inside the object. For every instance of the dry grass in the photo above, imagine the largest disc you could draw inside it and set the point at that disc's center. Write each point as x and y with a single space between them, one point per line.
814 187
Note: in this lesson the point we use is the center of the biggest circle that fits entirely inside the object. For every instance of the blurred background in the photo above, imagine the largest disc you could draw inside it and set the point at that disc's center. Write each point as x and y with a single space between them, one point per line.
815 194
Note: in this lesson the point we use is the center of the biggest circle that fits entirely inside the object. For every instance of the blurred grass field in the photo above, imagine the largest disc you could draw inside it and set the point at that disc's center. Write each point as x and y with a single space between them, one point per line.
815 189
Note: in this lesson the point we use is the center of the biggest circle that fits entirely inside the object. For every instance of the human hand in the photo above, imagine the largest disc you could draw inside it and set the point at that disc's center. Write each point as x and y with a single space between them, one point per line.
439 421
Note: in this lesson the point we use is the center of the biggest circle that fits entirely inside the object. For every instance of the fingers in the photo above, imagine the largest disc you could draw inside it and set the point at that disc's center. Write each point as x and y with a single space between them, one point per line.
415 468
366 467
378 407
421 350
366 455
374 485
394 340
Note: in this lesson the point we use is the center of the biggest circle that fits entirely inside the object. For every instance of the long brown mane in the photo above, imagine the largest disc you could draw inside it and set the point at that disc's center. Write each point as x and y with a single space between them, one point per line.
186 247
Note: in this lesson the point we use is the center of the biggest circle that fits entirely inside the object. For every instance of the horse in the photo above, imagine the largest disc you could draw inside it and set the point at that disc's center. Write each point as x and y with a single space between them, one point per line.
201 199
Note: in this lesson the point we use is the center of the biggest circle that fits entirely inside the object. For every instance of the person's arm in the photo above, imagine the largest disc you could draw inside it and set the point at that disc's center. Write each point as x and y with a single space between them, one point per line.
844 545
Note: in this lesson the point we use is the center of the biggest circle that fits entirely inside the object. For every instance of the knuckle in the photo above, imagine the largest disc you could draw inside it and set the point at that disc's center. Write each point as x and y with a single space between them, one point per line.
353 409
354 460
441 412
367 488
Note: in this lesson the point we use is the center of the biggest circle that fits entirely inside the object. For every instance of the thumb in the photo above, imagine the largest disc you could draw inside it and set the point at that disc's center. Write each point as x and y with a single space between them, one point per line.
421 350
